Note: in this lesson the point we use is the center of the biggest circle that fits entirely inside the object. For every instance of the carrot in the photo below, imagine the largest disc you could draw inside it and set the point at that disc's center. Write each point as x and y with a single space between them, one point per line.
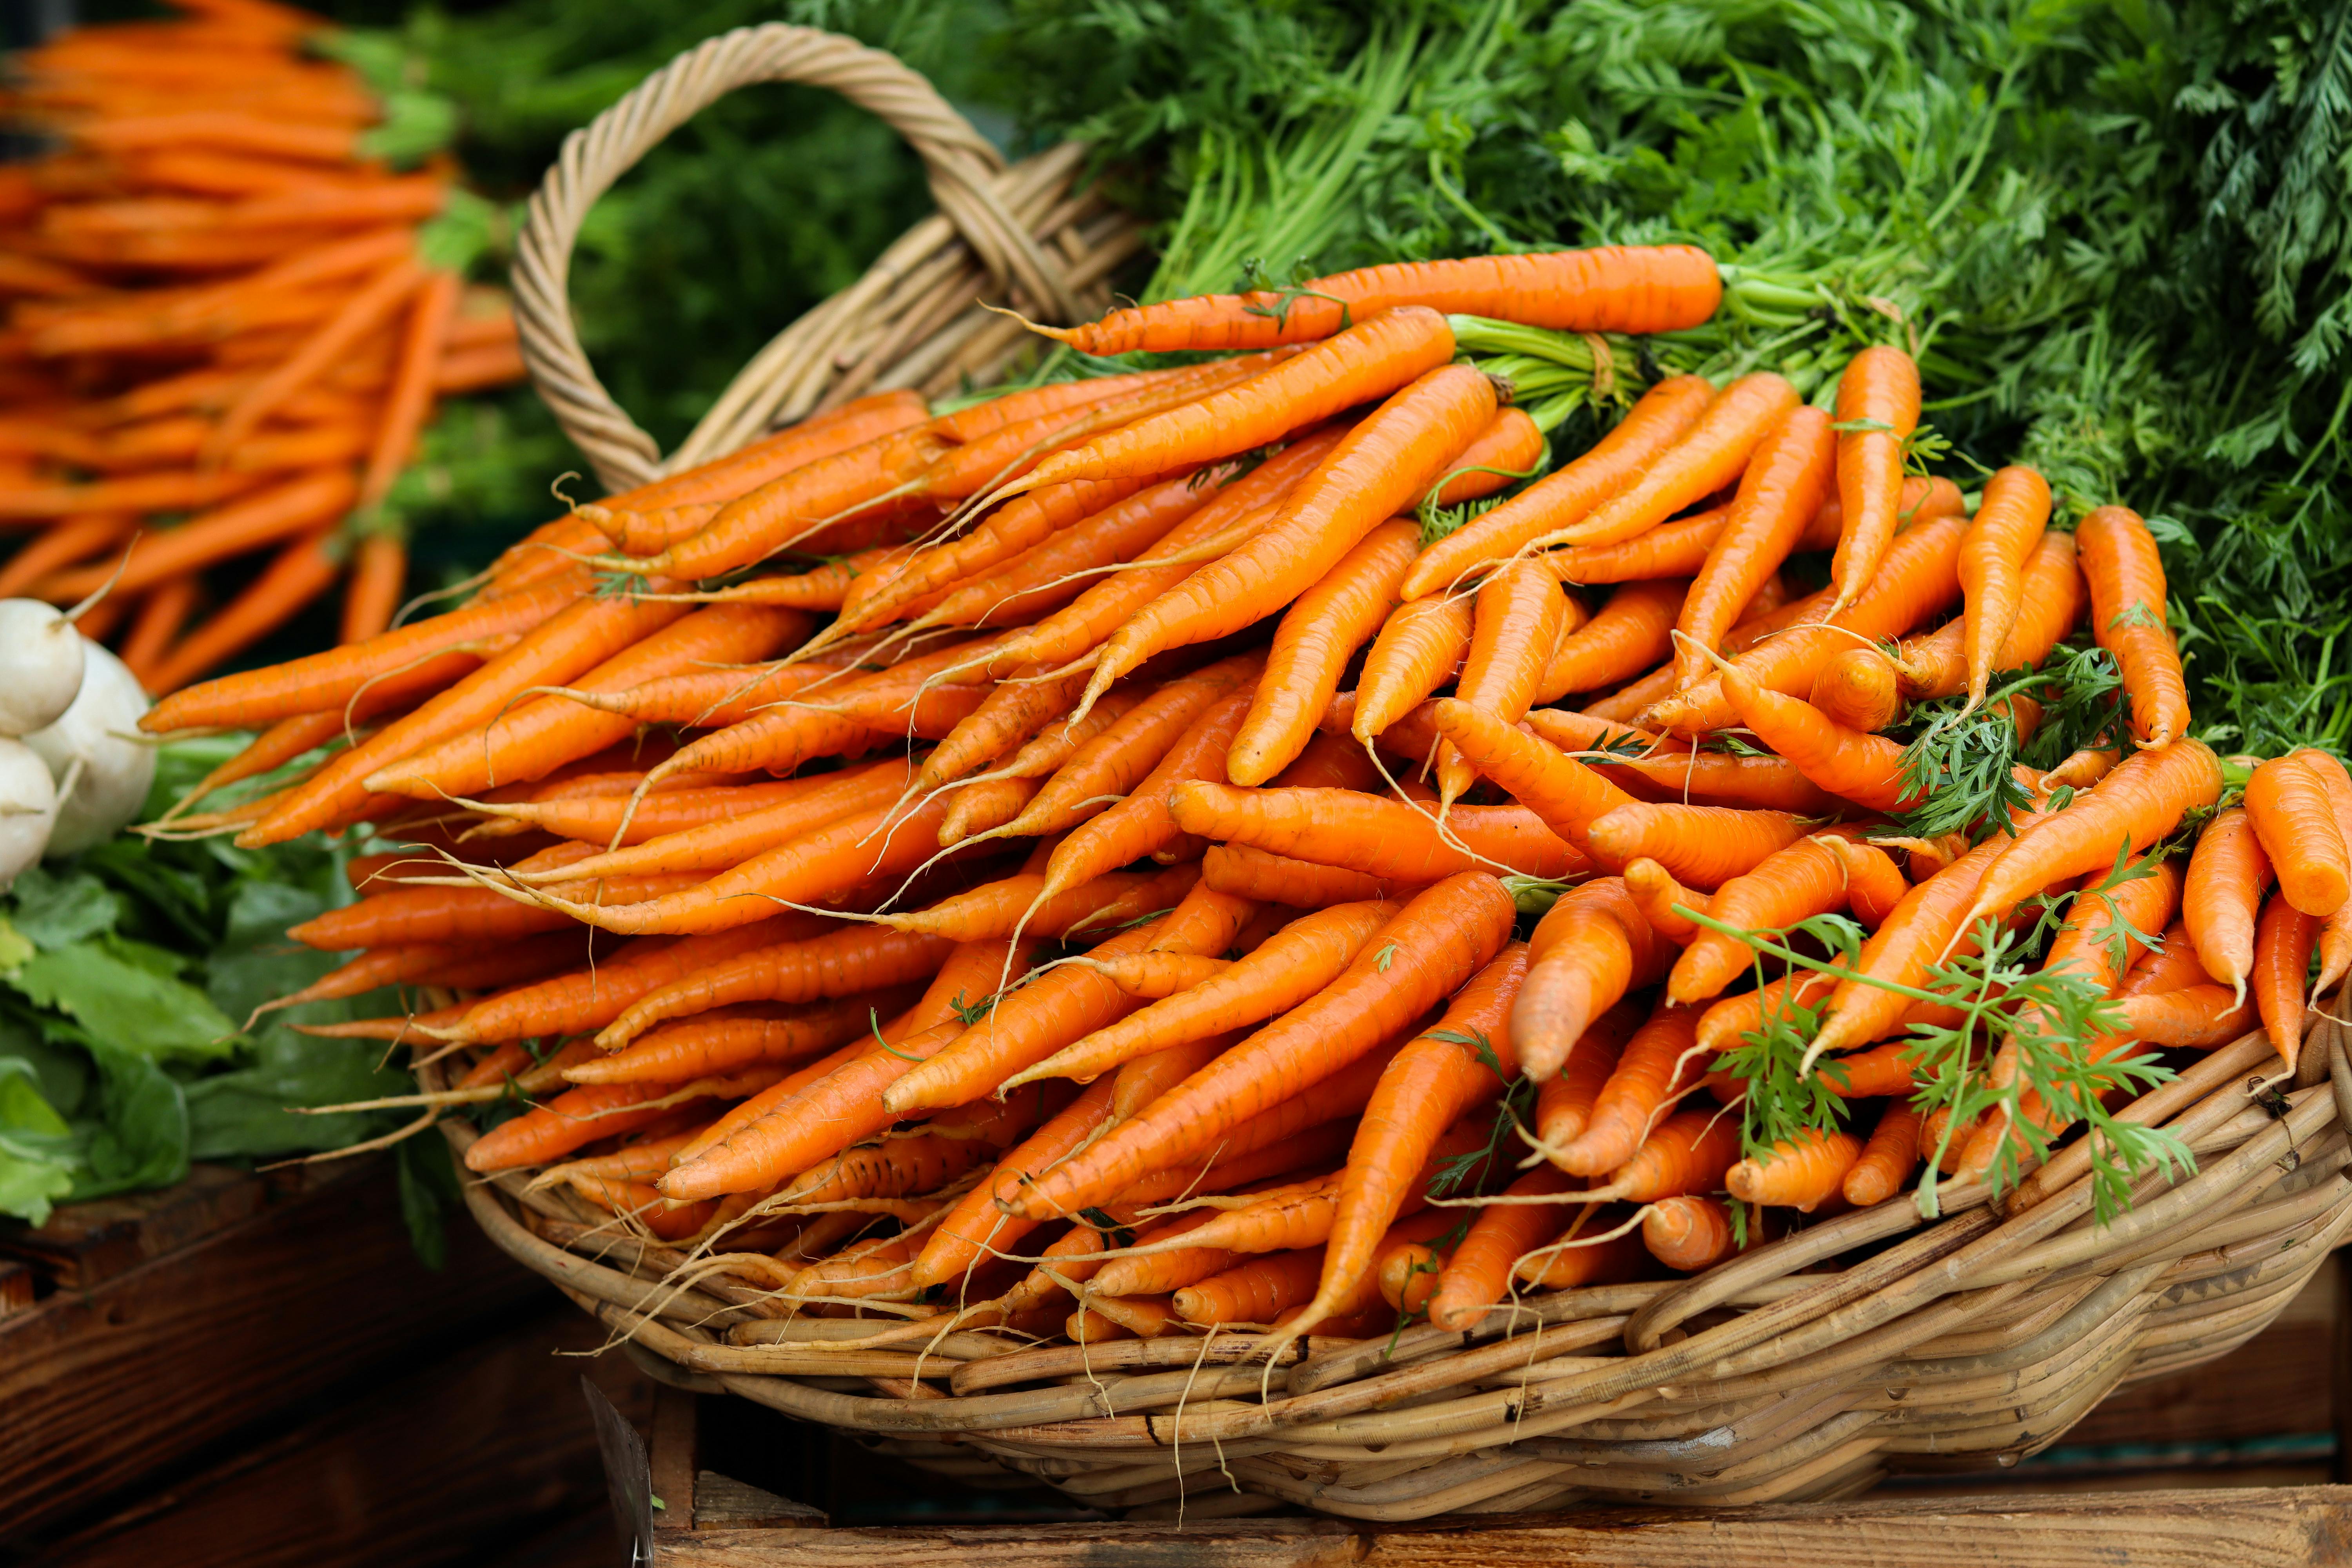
565 645
2198 1017
1710 453
365 310
2139 802
2127 617
1382 839
821 587
1510 449
1705 846
592 815
455 965
1613 289
160 615
1722 1024
1409 1132
1864 768
1918 576
1698 778
1564 1100
1100 905
379 572
1568 798
1786 479
1860 690
1516 620
1236 511
1142 824
298 506
409 399
726 1039
1796 1173
978 1222
1660 1062
1116 760
1874 884
528 740
442 914
1365 362
1154 976
1312 644
1290 968
1879 393
1478 1275
1663 415
1420 646
2007 527
1689 1152
1628 635
575 1117
983 805
1301 1214
2335 936
1593 947
1657 893
300 572
1690 1233
1807 879
414 658
1568 1261
1380 467
1026 1028
2293 819
791 809
2283 943
2227 872
1887 1160
1276 880
1429 948
800 969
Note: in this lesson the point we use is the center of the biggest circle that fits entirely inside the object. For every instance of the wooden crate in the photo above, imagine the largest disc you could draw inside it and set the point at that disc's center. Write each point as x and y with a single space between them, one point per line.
258 1370
2233 1462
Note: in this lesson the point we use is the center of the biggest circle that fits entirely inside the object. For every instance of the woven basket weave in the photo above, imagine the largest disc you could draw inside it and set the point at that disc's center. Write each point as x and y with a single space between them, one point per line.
1020 235
1800 1371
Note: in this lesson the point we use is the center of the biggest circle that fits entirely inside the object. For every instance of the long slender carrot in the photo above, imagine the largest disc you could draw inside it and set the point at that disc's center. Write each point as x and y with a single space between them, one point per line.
1101 904
1613 289
2283 943
1478 1275
1878 397
1787 477
2227 872
2140 801
1380 467
1312 644
1661 417
1419 647
2007 527
1517 614
1433 944
803 969
574 1117
1246 873
1864 768
1710 453
1381 838
1568 797
368 308
726 1039
298 506
2127 617
409 399
1142 824
1698 778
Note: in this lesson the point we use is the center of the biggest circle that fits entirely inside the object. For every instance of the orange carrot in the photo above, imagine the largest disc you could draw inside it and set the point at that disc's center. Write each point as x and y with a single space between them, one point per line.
2127 616
1864 768
978 1222
1887 1160
1593 947
1660 1062
1807 879
1689 1233
1874 884
2198 1017
1786 479
726 1039
2227 872
1569 1260
1516 625
1318 635
1478 1275
1859 688
1879 394
2283 943
1275 879
1705 846
1142 824
1564 1100
1380 467
1569 797
2294 823
1420 646
2007 527
1432 945
1653 888
803 968
1710 453
1382 839
1796 1173
1629 634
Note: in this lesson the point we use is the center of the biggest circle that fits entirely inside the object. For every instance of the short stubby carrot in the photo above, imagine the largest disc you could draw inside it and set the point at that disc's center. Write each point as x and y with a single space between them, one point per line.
2294 823
1593 947
1662 900
1376 470
2008 524
2127 617
2227 872
1367 361
2197 1017
1558 500
1782 488
1704 845
2139 802
1710 453
1312 644
1510 449
1887 1157
1879 395
1798 1173
1609 288
1516 623
1383 839
1433 944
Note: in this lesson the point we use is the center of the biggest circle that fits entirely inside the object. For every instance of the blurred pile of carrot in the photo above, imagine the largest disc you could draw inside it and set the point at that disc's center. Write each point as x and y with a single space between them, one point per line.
229 318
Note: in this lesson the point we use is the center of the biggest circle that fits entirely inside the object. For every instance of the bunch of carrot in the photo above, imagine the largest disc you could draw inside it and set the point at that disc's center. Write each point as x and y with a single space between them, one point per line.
224 334
1089 901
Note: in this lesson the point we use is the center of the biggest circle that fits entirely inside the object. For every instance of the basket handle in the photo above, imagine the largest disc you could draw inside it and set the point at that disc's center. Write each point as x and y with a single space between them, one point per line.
959 162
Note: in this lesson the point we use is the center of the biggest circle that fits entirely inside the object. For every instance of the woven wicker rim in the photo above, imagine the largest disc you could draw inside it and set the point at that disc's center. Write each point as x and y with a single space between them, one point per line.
1016 227
1967 1341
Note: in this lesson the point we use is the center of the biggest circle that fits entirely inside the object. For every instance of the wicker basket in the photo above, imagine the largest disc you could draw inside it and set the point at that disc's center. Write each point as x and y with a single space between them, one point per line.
1024 236
1800 1371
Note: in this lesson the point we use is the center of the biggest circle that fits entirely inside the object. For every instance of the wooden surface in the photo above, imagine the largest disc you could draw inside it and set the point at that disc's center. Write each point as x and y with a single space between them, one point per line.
2157 1529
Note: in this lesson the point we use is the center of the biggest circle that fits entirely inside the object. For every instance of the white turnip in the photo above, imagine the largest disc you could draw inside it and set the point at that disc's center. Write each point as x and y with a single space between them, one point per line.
41 663
28 808
102 765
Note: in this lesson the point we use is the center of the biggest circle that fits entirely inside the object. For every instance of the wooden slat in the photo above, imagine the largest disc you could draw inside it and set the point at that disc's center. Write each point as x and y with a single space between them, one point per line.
86 1244
2144 1529
102 1384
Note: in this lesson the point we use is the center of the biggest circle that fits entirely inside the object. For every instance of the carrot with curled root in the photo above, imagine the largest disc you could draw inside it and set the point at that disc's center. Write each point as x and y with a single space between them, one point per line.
1860 689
